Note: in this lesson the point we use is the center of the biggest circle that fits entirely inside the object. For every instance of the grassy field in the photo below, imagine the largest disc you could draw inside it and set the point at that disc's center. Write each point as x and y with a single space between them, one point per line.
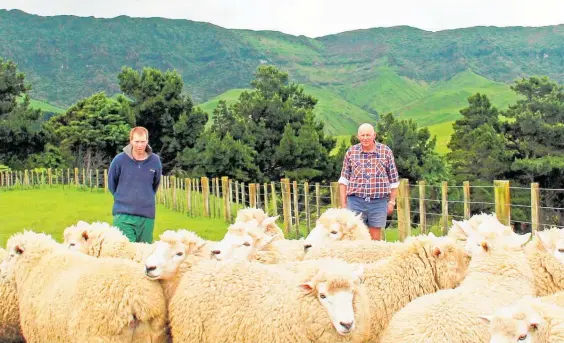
51 210
44 106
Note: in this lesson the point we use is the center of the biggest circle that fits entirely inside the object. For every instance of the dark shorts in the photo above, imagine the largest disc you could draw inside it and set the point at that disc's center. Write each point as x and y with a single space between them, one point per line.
374 212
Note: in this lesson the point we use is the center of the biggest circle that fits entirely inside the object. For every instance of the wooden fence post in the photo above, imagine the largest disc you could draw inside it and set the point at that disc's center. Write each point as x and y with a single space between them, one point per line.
226 200
306 206
317 200
335 200
252 195
466 186
174 200
422 208
206 195
296 209
188 183
105 180
286 204
444 201
404 213
265 191
274 202
535 207
502 201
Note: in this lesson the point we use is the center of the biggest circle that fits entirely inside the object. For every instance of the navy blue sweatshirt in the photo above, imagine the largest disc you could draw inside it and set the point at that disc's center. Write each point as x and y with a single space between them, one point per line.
134 183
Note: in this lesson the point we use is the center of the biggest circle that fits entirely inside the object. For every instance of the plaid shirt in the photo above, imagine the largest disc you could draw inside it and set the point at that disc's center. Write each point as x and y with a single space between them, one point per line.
369 174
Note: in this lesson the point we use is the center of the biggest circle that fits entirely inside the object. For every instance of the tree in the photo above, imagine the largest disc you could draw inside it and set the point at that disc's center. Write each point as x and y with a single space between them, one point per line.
161 107
536 133
20 130
413 148
93 130
478 148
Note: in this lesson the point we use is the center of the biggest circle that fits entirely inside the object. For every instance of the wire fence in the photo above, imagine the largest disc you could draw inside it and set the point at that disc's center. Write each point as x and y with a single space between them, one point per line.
421 207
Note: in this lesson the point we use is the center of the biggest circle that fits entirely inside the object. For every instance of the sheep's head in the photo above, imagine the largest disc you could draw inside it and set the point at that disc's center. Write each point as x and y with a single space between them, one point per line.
553 242
335 286
486 242
337 224
83 236
173 248
450 259
264 221
482 224
241 242
519 323
26 243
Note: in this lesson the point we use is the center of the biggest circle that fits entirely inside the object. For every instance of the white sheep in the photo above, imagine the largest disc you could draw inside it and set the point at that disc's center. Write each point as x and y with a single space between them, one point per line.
481 224
247 241
66 296
546 257
337 224
354 251
267 223
10 331
498 275
529 320
422 266
100 239
172 256
241 301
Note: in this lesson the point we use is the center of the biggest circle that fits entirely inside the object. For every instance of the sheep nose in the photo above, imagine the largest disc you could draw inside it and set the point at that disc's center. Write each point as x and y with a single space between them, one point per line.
307 246
216 252
346 325
150 269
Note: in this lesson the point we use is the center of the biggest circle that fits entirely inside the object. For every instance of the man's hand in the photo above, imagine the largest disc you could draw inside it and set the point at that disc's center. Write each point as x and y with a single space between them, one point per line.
391 205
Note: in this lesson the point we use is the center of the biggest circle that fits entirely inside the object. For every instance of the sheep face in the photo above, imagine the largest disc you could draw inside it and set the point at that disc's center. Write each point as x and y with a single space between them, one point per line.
165 259
482 243
77 241
336 295
241 242
336 225
451 261
553 241
516 323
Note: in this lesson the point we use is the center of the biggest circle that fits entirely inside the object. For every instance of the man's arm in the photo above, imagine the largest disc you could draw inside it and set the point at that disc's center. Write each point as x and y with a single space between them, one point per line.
113 176
393 177
157 177
344 179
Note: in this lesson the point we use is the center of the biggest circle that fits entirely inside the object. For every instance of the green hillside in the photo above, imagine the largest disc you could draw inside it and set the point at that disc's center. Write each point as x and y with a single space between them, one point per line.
446 98
443 131
42 105
338 115
356 75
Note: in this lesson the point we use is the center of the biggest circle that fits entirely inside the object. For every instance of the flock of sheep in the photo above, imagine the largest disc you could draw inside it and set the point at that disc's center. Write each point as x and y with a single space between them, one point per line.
480 283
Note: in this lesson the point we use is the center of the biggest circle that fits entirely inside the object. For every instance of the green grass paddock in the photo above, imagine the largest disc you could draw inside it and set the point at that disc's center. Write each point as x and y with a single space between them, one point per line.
51 210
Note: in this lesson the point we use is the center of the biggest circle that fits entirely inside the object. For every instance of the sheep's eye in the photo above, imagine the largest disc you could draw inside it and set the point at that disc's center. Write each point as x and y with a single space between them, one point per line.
322 296
72 244
522 337
247 244
561 250
333 232
179 254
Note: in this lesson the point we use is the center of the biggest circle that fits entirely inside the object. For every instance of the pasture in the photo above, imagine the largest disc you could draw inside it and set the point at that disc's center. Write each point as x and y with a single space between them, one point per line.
51 210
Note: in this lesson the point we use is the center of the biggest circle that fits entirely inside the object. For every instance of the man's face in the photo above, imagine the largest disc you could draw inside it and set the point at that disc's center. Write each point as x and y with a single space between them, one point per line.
139 142
366 137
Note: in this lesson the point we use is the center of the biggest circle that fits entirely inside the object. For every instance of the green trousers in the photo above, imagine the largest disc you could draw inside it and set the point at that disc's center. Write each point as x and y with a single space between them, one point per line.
135 228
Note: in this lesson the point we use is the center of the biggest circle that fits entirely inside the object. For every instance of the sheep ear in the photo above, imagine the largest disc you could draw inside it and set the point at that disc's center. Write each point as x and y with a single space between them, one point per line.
85 235
485 318
535 321
437 251
431 234
466 228
485 246
544 239
306 286
269 220
521 240
19 250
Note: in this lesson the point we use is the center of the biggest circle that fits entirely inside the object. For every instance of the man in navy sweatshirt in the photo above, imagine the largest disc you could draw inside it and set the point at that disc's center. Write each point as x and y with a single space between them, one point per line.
133 179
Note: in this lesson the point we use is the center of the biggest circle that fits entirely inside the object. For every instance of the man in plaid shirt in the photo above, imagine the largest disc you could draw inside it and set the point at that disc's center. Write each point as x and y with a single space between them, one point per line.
369 180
